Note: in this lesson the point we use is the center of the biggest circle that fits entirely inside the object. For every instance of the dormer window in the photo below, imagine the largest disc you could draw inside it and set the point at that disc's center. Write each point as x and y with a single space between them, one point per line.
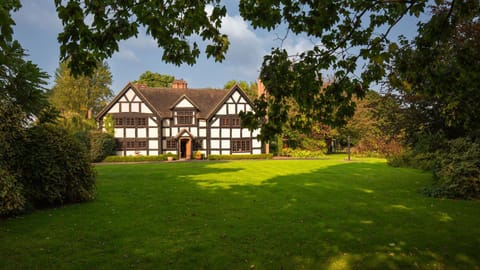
184 117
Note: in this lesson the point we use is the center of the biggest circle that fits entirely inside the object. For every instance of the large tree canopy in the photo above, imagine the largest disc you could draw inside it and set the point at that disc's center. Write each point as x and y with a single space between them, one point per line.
154 79
82 93
349 36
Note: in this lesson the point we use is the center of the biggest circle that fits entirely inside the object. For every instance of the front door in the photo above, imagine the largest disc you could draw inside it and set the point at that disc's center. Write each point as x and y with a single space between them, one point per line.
185 148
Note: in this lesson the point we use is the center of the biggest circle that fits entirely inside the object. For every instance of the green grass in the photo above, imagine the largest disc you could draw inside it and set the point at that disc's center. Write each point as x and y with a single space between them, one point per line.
288 214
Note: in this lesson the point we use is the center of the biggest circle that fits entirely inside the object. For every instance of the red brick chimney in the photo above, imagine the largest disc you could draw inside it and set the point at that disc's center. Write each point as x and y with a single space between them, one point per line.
179 84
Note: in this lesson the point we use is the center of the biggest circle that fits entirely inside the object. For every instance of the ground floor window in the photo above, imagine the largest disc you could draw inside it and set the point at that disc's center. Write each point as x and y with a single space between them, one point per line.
241 145
131 144
171 144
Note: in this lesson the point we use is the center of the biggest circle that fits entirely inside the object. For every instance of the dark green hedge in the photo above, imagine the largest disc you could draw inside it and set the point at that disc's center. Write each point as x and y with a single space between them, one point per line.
237 157
138 158
58 170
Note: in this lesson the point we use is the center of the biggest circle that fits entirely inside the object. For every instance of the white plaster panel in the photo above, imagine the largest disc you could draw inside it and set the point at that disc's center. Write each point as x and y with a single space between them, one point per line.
153 144
242 100
123 99
214 133
202 123
257 151
119 153
115 108
225 132
136 99
135 107
248 108
202 132
130 95
245 132
235 96
223 110
193 131
141 153
184 103
130 153
166 132
118 132
214 144
204 144
151 123
240 108
174 132
129 133
235 133
256 143
216 123
231 108
166 122
125 107
215 152
142 133
145 109
170 151
255 133
226 144
153 132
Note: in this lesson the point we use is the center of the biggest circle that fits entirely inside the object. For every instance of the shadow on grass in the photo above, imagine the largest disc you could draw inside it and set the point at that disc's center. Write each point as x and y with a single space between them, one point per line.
241 215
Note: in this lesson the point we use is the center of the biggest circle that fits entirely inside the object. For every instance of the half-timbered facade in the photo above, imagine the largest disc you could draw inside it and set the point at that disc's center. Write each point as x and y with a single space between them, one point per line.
179 120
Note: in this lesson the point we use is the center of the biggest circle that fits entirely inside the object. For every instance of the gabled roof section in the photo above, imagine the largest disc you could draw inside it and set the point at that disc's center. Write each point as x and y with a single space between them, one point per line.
120 95
164 99
180 99
234 88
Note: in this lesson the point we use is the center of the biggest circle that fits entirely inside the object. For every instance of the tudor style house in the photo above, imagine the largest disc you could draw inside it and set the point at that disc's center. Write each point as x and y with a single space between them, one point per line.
179 120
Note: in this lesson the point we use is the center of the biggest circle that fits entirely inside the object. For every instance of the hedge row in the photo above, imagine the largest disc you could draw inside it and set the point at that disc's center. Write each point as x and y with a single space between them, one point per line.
138 158
456 167
237 157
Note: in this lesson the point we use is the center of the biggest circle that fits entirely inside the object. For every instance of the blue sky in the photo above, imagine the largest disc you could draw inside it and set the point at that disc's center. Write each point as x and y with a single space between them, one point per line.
37 27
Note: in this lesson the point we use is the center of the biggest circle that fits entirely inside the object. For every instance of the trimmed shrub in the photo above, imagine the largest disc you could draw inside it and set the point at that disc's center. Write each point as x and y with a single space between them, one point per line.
101 145
458 172
12 200
299 153
57 169
139 158
238 157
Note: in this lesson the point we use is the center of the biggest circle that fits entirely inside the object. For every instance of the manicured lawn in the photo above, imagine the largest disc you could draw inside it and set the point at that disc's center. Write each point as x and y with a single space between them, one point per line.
289 214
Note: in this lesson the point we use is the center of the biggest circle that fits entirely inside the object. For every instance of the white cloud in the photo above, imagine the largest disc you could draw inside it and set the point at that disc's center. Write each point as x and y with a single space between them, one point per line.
142 41
297 45
126 54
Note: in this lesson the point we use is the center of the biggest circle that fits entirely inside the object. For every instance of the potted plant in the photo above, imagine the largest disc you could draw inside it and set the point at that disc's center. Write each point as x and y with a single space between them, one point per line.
169 157
198 155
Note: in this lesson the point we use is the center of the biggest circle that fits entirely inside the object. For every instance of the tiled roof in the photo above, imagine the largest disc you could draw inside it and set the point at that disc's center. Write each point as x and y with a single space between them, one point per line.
164 98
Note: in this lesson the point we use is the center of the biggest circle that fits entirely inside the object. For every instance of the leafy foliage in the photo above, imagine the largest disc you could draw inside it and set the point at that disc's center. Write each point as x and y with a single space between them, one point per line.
458 171
12 200
101 145
153 79
78 94
172 24
59 172
433 76
301 153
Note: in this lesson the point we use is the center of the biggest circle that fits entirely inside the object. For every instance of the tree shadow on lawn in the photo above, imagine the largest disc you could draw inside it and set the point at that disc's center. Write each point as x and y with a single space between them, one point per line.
346 216
241 215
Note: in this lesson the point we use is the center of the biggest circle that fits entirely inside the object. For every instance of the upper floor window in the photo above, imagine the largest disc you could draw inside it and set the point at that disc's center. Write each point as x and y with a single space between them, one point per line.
130 121
230 121
186 117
